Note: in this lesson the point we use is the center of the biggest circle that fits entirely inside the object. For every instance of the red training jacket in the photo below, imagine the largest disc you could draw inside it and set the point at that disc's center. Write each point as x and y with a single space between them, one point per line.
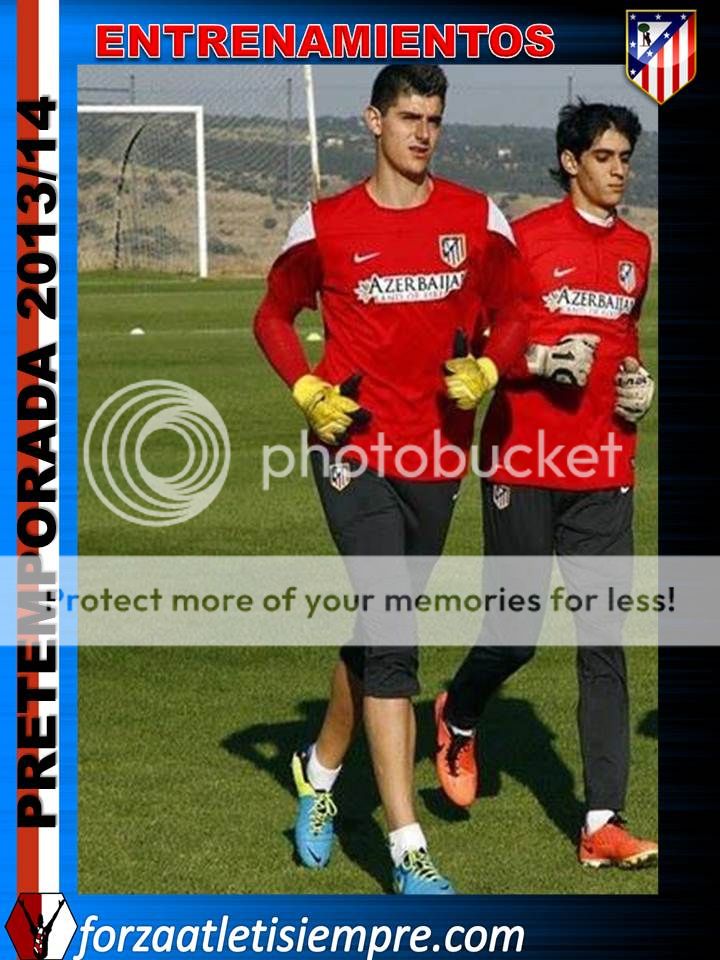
590 279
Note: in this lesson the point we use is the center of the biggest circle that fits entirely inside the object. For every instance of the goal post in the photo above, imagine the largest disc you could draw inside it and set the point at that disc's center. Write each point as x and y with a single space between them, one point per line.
312 130
197 112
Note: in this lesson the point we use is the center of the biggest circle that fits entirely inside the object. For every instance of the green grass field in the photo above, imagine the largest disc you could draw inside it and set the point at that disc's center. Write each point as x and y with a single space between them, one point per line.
184 780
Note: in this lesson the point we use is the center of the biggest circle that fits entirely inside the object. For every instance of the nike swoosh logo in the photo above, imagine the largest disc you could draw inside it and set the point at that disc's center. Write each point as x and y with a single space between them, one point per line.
624 489
362 257
312 854
557 272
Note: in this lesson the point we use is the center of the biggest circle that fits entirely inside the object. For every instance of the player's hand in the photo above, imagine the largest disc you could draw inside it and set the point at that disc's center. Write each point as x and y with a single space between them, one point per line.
634 390
568 361
328 409
469 379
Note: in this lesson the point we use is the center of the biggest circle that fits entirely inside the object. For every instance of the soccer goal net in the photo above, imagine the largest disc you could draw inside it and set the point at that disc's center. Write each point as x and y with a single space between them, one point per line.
201 175
141 184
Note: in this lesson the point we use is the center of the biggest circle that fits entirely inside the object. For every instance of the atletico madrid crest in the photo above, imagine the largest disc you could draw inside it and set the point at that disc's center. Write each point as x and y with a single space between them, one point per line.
453 249
340 476
626 275
501 496
661 50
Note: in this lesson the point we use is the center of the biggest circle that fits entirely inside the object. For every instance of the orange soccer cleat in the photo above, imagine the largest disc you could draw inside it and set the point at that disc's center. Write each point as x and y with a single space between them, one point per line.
455 760
614 846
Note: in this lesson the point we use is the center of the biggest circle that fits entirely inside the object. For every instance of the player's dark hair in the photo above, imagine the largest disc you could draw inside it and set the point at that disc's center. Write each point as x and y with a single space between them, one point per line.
399 80
580 124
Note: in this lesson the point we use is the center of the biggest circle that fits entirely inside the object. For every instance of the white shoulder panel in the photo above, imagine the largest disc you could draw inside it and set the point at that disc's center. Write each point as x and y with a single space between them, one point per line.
302 230
497 222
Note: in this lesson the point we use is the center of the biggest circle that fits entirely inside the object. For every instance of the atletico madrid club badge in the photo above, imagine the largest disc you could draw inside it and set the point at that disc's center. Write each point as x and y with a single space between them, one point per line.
340 476
661 50
627 276
453 249
501 496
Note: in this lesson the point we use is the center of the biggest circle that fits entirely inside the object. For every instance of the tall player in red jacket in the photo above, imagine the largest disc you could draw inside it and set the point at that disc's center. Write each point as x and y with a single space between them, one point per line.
577 395
400 263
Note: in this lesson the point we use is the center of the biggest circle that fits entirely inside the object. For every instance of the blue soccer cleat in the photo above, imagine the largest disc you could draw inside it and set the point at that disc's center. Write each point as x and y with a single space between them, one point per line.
314 831
417 875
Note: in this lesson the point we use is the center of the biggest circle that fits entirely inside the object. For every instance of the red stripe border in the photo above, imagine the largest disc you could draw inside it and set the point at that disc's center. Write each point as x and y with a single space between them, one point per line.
28 56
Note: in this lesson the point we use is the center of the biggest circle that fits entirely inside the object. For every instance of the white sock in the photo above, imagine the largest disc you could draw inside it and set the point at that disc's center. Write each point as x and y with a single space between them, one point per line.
460 732
595 819
405 839
320 777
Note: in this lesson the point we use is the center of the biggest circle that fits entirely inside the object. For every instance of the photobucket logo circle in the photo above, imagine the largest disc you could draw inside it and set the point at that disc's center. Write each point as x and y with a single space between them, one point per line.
113 453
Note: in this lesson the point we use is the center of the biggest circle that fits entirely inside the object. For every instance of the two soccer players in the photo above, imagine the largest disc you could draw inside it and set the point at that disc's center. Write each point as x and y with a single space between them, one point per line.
400 262
581 387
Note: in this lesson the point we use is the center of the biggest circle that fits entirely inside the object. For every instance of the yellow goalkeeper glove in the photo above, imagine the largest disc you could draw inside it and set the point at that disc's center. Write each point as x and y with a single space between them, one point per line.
469 379
328 409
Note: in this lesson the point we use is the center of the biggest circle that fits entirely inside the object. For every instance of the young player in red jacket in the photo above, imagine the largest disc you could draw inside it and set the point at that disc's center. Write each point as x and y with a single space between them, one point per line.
576 398
400 263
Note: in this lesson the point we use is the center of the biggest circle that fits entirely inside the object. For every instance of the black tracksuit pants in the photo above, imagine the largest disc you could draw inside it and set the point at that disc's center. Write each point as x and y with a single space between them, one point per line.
531 521
384 517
